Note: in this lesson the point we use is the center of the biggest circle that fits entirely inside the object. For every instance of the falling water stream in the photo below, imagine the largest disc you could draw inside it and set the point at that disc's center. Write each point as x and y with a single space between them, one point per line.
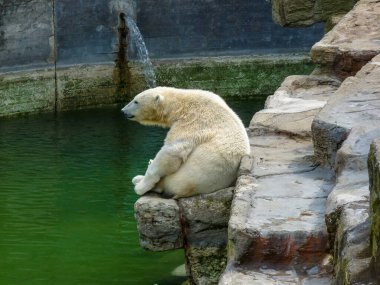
142 52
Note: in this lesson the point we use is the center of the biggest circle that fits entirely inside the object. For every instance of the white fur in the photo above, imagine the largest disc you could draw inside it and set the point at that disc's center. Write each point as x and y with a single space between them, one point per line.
203 147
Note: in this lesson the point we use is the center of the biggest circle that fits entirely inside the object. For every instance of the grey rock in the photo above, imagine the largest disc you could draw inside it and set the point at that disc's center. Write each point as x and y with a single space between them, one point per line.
262 225
294 105
158 222
353 154
355 103
293 116
352 42
307 87
356 116
198 224
351 249
207 218
296 13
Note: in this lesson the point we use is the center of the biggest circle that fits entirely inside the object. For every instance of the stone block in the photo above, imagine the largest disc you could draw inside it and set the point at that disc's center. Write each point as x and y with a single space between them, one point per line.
292 108
350 106
159 223
198 224
351 248
352 42
296 13
262 225
294 116
307 87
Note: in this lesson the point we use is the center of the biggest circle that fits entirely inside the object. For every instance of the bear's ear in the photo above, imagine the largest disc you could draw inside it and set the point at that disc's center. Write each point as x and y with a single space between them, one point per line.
159 98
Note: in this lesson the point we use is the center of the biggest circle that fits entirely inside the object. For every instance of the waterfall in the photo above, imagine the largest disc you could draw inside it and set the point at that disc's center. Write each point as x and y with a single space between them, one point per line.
142 52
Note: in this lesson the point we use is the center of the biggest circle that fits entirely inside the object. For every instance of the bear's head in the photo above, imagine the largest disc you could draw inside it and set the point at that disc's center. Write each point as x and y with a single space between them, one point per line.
147 108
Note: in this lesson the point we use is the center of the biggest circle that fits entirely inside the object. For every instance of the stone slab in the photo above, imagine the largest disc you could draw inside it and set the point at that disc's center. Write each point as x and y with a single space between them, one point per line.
352 42
262 224
276 154
307 87
292 108
294 117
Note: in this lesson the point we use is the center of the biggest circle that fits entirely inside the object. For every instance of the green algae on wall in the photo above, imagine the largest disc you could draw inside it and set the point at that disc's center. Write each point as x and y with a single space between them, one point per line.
26 92
82 86
232 77
86 85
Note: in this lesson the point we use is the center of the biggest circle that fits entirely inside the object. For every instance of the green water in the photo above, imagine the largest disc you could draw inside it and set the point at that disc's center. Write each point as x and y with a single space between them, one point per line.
66 200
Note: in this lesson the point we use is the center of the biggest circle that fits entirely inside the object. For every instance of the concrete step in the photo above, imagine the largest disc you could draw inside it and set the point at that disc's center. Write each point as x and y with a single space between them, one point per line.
352 42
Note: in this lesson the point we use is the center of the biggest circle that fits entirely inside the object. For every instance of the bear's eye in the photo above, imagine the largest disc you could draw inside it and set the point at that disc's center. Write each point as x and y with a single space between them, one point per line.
135 102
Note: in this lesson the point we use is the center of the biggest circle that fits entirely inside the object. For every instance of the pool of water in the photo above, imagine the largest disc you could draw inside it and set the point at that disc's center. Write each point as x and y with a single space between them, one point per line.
66 199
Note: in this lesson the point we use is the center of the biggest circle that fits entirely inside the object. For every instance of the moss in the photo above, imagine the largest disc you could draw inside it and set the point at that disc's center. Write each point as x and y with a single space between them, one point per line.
207 264
81 92
329 9
244 78
26 94
84 86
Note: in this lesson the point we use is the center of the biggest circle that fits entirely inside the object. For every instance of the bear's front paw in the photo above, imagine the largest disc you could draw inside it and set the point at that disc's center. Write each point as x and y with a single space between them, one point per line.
141 188
136 180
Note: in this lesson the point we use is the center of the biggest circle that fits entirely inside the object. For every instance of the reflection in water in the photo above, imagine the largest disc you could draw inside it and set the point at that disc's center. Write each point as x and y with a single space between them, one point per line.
66 200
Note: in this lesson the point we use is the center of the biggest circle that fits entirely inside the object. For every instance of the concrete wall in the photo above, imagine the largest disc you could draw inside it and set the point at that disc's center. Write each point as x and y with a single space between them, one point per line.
40 33
178 27
62 54
26 33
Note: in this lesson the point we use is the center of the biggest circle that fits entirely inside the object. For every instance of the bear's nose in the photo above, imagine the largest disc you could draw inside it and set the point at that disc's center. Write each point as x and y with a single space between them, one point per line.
127 114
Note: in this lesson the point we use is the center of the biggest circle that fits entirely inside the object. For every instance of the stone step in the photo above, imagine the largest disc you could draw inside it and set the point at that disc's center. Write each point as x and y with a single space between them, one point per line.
352 42
294 105
277 233
277 228
238 276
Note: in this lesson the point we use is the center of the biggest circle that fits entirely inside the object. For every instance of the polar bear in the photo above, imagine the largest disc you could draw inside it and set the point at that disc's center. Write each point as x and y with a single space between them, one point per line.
203 148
